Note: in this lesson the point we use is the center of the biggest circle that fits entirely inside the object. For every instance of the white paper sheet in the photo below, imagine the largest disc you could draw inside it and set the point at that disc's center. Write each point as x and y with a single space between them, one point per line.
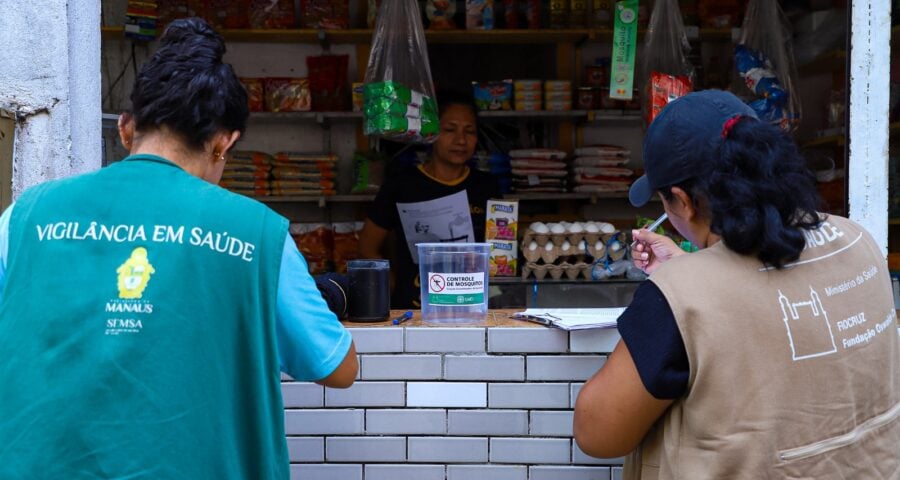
445 219
572 318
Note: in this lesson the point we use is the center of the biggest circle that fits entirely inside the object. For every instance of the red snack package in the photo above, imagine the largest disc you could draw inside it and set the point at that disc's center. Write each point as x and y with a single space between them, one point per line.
198 8
532 13
229 13
168 10
346 244
287 95
325 14
328 82
272 14
256 99
663 89
315 242
511 13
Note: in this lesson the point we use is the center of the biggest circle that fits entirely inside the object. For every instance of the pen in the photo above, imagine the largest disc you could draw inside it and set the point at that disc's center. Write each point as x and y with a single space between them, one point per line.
402 318
653 226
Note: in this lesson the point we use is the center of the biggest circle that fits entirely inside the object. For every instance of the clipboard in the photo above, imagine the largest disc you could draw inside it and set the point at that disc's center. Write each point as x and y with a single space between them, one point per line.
572 318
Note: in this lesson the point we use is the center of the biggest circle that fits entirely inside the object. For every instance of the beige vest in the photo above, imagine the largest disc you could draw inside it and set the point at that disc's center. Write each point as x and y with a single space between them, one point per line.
794 373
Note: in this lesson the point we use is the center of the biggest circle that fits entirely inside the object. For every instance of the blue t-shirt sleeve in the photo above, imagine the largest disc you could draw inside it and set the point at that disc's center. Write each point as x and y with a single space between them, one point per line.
4 243
649 331
312 343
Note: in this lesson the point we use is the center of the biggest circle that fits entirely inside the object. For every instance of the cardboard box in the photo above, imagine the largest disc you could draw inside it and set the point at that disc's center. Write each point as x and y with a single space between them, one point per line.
501 232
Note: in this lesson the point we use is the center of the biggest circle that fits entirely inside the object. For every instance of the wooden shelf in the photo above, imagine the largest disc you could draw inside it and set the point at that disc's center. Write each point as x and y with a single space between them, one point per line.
306 116
364 36
829 62
317 199
825 141
587 115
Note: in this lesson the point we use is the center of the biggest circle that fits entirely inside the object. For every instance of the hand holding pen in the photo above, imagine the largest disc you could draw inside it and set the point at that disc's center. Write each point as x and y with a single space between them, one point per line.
649 250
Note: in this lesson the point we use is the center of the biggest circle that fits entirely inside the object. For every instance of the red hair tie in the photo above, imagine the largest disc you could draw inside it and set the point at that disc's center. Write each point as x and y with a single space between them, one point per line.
729 124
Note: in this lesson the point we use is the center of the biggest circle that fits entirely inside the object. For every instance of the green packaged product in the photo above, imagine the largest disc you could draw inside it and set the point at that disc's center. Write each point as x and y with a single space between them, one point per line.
402 128
397 91
386 106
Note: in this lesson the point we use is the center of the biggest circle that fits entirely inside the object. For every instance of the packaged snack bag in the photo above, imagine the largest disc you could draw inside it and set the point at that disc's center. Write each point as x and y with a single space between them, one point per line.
256 98
272 14
493 95
325 14
229 13
287 95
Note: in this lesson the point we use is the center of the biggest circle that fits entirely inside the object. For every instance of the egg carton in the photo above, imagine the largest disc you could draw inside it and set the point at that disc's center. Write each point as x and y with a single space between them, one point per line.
538 270
617 246
555 271
530 235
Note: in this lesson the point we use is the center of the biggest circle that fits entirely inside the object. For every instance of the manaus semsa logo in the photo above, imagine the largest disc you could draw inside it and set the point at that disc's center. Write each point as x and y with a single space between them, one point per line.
134 274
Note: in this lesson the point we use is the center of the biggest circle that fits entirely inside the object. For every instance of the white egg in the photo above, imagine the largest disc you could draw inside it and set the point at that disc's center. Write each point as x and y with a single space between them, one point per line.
598 245
533 245
566 245
615 246
607 228
549 246
557 228
576 228
582 246
592 227
538 227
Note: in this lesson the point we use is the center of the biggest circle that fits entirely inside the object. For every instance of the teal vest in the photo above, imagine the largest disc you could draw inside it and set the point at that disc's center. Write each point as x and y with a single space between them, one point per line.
137 330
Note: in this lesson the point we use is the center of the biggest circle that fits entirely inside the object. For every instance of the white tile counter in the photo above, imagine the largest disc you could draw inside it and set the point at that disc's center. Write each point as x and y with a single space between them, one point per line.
487 402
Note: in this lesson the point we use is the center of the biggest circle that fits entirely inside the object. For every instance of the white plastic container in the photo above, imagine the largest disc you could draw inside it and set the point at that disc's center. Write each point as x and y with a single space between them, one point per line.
454 279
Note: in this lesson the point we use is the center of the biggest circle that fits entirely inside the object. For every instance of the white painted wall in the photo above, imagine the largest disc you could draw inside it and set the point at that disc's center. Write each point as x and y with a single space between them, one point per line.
870 60
50 77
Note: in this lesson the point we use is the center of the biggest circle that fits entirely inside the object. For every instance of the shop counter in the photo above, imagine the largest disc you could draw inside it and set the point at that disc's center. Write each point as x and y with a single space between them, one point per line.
488 401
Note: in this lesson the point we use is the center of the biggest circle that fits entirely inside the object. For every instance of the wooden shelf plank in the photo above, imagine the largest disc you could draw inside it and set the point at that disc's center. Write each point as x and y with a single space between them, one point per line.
829 62
826 141
363 35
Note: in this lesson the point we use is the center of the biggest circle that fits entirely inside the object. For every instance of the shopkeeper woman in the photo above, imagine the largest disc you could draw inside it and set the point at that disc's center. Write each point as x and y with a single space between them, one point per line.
445 173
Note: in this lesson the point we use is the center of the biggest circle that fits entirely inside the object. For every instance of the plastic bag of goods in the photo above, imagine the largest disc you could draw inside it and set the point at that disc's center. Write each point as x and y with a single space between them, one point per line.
667 72
765 61
316 242
399 102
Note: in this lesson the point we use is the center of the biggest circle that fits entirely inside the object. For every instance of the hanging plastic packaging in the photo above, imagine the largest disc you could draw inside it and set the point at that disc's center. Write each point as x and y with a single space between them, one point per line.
398 95
765 61
667 73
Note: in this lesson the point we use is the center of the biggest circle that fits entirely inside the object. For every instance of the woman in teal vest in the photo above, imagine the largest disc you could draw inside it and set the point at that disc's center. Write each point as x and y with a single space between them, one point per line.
146 312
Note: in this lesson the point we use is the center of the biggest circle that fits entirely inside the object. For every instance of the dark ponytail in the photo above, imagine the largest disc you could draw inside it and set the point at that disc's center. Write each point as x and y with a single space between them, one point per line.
186 87
759 193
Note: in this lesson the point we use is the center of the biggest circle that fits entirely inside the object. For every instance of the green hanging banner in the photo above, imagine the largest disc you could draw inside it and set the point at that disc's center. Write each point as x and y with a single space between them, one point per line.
621 78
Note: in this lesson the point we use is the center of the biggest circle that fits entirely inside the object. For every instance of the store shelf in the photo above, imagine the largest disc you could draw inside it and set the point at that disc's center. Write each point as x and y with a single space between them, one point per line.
894 221
829 62
550 281
363 36
317 199
825 141
588 115
565 196
306 116
354 36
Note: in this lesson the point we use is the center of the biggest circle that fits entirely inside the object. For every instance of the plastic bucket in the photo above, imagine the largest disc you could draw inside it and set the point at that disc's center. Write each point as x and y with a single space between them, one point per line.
454 282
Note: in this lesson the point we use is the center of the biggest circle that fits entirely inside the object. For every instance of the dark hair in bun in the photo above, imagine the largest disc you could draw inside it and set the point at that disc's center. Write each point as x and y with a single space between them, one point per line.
186 87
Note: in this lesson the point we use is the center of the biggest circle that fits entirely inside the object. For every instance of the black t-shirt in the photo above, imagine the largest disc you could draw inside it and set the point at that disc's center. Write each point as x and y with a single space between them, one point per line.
649 330
411 185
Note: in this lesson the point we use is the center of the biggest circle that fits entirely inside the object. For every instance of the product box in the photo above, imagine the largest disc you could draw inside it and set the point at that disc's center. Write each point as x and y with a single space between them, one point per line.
502 261
501 232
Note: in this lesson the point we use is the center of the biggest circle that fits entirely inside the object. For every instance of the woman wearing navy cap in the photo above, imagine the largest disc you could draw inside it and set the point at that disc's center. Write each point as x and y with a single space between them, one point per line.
772 352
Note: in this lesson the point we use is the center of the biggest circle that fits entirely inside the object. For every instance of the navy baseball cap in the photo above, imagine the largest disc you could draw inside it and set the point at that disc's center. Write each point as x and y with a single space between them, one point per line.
682 137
